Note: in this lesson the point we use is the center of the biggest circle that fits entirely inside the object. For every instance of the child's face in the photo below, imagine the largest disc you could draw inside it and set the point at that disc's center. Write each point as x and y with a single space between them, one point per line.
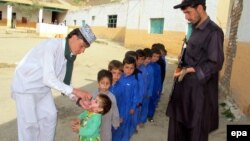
104 85
147 60
155 57
116 74
95 105
128 69
140 61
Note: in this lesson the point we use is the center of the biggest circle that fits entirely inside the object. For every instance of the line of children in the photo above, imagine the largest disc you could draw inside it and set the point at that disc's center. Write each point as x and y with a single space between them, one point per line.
149 82
134 87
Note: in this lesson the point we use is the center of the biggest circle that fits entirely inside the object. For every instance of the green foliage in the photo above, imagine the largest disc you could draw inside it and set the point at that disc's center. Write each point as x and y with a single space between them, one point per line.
228 114
223 104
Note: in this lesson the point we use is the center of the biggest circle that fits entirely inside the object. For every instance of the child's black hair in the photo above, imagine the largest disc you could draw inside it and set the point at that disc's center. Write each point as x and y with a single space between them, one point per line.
115 64
131 54
131 60
156 51
106 103
160 47
140 53
147 52
104 73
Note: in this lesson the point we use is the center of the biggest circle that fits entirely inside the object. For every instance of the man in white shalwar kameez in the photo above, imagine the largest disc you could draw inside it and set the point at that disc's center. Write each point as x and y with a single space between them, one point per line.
48 65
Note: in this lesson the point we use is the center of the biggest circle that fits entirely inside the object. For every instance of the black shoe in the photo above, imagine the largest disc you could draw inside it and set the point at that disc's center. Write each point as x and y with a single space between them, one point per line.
136 131
150 120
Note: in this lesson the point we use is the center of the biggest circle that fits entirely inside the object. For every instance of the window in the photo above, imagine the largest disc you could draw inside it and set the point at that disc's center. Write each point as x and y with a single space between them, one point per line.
156 25
83 22
74 22
112 20
0 15
92 20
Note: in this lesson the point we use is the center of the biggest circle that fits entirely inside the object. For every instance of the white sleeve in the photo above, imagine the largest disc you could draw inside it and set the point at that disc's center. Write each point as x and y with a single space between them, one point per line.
49 75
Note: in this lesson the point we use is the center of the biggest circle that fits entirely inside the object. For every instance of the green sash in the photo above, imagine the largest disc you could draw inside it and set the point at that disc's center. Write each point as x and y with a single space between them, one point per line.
70 63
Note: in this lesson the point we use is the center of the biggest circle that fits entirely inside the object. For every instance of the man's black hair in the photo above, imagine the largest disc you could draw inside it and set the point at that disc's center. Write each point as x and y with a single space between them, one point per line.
78 33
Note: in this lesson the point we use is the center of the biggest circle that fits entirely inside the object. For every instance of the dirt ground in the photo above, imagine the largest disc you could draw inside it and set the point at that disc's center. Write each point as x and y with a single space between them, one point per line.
86 67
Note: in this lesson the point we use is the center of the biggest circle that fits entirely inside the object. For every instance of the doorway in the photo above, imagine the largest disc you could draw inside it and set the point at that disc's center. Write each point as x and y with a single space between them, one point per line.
13 20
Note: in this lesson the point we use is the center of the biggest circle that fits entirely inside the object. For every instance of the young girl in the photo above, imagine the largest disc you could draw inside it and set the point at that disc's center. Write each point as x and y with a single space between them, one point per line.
111 119
88 122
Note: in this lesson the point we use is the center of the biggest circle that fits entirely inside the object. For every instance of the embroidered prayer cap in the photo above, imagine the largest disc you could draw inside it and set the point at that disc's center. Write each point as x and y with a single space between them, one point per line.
87 33
186 3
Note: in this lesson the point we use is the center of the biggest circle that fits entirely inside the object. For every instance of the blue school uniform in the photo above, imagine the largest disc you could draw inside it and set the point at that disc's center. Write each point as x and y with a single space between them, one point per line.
162 63
149 83
142 88
156 89
130 100
118 92
139 96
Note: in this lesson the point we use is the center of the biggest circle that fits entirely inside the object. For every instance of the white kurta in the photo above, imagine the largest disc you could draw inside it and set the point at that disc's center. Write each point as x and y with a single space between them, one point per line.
42 68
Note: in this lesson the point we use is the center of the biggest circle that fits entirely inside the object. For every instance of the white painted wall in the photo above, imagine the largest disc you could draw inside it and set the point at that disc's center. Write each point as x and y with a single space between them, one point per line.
47 16
212 9
45 29
4 11
133 18
101 15
141 11
79 15
136 14
244 25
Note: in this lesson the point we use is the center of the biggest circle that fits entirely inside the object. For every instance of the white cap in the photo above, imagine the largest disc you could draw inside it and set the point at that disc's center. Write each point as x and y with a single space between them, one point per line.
87 33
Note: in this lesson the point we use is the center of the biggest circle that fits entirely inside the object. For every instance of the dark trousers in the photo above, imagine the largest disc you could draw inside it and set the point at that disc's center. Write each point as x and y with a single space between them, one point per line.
178 132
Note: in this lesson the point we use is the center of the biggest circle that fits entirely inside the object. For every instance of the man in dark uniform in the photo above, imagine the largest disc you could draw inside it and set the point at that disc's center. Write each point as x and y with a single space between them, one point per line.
193 106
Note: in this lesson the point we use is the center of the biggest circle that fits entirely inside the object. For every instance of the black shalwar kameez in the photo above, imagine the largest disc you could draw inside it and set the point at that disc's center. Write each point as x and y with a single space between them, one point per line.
193 106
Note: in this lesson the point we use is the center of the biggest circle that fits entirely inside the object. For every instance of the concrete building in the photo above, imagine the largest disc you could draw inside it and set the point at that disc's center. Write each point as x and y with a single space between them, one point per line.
137 23
41 16
140 23
236 72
